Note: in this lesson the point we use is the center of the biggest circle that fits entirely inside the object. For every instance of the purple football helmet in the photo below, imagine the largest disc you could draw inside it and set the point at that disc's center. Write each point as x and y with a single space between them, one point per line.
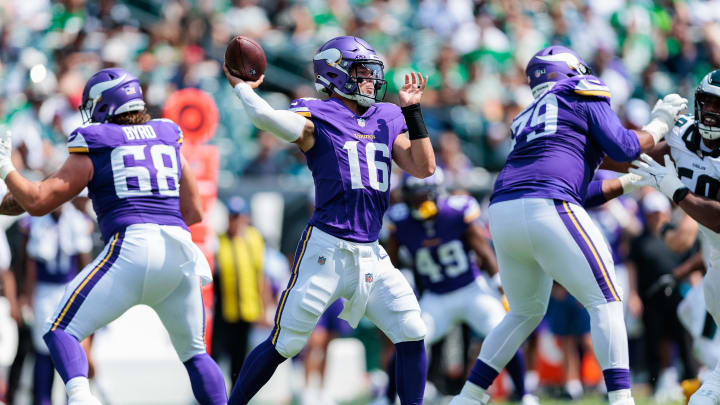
110 92
552 64
334 64
421 195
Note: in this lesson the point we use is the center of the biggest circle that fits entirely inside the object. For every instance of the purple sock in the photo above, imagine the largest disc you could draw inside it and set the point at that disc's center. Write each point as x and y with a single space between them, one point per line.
516 369
43 374
411 371
257 369
482 374
206 379
391 392
617 379
67 354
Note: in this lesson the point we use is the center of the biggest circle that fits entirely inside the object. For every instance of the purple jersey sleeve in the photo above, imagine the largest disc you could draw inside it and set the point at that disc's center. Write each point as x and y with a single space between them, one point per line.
620 143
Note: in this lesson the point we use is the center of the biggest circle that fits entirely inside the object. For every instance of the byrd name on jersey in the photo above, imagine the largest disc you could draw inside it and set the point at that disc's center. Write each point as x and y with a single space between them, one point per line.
698 168
560 140
136 173
350 163
437 246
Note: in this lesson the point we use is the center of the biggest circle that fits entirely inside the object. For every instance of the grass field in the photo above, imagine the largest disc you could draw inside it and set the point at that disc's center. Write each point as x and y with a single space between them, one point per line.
593 399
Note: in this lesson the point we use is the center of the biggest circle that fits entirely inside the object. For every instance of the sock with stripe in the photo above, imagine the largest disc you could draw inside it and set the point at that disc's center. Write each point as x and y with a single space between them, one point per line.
411 371
206 379
67 354
259 366
43 373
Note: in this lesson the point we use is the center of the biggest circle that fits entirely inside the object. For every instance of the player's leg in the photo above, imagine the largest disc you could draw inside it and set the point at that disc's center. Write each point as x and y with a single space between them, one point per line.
183 314
576 255
709 392
312 287
527 289
483 312
100 293
393 308
439 315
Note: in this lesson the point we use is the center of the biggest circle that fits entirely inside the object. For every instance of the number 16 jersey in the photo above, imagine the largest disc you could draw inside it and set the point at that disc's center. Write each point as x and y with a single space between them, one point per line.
350 163
136 173
560 140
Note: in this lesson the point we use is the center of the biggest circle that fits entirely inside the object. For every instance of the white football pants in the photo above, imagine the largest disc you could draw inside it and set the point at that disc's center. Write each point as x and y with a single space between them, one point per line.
155 265
537 240
326 268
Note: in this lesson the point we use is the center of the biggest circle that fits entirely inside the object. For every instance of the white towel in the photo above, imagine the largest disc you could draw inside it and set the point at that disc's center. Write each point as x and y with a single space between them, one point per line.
365 265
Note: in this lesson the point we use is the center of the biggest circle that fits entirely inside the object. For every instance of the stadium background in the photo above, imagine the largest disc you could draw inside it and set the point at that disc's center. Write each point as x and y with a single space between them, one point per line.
473 51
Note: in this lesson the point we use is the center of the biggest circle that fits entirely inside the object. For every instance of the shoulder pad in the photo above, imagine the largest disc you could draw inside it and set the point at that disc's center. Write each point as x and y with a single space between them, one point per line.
302 106
590 86
464 205
398 212
87 137
676 137
172 124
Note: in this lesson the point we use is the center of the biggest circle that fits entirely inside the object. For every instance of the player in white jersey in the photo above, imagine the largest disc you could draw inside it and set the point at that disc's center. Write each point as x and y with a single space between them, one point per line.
691 177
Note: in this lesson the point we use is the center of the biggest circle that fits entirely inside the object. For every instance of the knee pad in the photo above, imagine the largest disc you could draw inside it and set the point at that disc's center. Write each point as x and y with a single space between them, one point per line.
410 328
290 342
607 327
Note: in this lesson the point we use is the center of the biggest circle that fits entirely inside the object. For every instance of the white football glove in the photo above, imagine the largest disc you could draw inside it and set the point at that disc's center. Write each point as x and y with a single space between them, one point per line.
6 165
631 182
664 115
663 178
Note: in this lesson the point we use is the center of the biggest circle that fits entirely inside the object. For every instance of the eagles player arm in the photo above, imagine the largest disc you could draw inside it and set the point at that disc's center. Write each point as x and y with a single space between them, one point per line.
284 124
475 238
706 211
42 197
190 205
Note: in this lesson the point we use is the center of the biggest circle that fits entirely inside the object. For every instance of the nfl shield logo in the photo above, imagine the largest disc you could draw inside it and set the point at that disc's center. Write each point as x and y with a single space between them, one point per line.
321 259
539 72
129 90
361 122
368 277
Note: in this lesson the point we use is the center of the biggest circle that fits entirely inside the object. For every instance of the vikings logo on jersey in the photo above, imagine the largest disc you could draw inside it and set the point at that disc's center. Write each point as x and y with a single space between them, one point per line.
351 162
437 246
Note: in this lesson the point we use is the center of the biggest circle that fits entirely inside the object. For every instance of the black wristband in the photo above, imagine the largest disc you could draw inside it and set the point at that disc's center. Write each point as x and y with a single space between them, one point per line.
679 194
414 122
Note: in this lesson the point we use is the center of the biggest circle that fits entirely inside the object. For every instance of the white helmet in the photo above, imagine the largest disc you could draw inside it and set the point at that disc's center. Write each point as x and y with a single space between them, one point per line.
708 121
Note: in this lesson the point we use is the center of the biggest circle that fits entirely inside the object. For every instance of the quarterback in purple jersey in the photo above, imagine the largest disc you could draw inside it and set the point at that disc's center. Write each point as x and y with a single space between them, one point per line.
144 195
350 139
539 228
447 247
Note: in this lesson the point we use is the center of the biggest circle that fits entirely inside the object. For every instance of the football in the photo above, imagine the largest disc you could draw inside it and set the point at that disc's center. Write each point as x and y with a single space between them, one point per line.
245 58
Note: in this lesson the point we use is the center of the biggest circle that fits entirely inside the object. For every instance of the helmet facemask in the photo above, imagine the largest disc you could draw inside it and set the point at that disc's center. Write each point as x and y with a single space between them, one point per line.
707 115
366 83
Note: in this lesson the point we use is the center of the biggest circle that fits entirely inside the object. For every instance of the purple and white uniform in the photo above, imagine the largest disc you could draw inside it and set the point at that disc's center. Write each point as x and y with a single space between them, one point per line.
136 176
454 289
539 228
149 257
350 163
338 254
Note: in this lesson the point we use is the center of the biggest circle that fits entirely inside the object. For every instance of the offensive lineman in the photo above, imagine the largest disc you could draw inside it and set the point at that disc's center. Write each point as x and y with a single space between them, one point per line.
538 225
693 182
448 248
348 140
144 195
